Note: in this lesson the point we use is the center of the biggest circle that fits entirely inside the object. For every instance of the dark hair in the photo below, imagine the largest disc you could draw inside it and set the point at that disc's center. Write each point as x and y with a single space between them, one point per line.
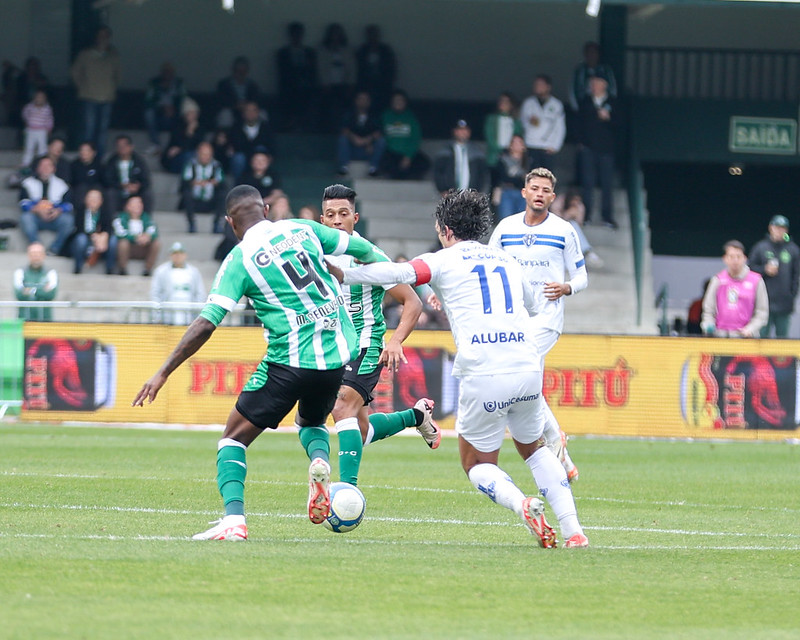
339 192
296 28
57 139
124 136
239 193
90 143
240 60
400 92
591 45
466 213
732 244
546 78
334 29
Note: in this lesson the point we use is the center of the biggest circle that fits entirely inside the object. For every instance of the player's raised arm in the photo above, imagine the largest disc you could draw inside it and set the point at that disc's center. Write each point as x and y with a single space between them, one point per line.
197 334
336 242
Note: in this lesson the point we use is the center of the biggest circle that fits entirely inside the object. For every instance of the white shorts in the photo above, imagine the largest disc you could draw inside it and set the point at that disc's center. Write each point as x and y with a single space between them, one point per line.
489 404
545 340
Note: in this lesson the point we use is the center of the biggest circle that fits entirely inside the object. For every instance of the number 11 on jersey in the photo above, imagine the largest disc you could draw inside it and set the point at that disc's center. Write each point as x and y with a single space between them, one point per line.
486 293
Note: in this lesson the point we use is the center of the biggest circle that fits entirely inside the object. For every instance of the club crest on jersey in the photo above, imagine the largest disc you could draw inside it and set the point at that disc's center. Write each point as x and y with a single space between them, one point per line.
262 259
529 239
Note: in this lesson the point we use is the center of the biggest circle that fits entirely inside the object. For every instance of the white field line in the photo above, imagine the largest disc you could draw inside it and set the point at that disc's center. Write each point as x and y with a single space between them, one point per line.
471 492
352 540
393 520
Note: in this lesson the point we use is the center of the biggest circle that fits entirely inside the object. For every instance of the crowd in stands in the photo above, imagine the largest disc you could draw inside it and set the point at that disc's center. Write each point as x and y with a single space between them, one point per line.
101 206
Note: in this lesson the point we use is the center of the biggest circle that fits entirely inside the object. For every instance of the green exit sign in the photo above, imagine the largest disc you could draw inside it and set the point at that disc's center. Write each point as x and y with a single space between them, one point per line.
763 135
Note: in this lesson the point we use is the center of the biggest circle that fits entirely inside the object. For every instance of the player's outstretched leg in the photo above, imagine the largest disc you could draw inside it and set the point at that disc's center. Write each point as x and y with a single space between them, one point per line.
316 442
496 484
552 481
385 425
556 440
231 474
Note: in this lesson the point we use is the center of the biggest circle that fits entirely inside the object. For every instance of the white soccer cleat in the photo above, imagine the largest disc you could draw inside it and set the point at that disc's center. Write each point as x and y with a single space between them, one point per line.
319 499
231 528
429 430
533 517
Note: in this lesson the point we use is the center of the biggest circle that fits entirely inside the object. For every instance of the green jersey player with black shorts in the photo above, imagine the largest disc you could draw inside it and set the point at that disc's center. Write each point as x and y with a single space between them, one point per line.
365 304
280 267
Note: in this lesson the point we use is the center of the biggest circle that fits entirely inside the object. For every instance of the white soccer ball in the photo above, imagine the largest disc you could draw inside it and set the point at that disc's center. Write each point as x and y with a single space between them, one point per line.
347 507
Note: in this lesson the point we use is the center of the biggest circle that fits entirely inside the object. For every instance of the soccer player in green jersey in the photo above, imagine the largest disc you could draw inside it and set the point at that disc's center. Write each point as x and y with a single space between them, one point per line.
280 267
365 303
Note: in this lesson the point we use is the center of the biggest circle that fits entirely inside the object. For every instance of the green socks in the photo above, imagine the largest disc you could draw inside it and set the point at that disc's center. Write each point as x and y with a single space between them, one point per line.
350 448
316 442
231 473
387 424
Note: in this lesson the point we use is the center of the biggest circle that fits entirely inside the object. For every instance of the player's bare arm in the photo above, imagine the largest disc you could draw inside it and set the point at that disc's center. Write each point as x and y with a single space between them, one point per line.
197 334
392 354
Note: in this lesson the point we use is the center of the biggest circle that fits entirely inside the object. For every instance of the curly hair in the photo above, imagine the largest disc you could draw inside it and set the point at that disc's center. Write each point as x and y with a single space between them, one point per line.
466 213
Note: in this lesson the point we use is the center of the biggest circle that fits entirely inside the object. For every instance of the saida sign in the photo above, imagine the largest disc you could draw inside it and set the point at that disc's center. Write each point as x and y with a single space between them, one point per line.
776 136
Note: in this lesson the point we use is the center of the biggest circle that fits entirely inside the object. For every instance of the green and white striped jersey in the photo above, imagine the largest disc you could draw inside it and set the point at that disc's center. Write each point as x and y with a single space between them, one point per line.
280 267
365 304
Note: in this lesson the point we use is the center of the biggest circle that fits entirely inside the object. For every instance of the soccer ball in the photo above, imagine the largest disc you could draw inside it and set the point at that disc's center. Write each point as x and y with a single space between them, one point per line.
347 507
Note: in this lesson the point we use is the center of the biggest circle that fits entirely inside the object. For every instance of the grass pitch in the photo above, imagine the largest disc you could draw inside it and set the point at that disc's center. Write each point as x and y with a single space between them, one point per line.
697 540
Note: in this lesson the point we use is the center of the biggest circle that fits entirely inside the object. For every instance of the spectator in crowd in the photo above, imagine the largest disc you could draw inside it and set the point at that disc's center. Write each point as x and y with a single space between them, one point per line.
137 236
55 151
234 92
309 212
361 137
598 120
336 75
223 149
402 159
46 206
591 67
509 176
280 209
35 282
8 97
31 80
694 317
499 127
777 259
252 135
263 177
94 237
569 207
86 171
460 165
96 74
162 104
184 138
203 188
544 123
38 118
376 68
126 175
735 304
177 281
298 81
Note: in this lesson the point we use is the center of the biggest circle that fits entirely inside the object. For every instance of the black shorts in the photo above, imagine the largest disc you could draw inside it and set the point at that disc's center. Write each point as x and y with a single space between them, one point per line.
314 391
363 373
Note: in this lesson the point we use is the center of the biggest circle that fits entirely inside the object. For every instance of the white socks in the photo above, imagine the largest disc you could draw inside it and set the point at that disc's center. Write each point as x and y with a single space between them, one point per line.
491 480
552 481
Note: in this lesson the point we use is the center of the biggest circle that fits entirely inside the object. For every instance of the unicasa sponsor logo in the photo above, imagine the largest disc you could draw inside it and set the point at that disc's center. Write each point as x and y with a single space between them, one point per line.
495 405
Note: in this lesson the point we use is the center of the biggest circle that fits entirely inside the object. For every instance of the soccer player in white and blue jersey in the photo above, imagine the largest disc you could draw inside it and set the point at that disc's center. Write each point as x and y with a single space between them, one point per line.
547 248
310 338
489 303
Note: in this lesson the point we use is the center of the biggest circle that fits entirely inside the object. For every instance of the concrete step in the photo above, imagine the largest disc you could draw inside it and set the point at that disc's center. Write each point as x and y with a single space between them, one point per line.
396 191
411 213
401 229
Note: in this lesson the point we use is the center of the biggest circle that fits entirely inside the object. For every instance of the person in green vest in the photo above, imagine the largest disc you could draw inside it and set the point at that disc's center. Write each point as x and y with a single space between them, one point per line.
402 159
499 127
36 282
